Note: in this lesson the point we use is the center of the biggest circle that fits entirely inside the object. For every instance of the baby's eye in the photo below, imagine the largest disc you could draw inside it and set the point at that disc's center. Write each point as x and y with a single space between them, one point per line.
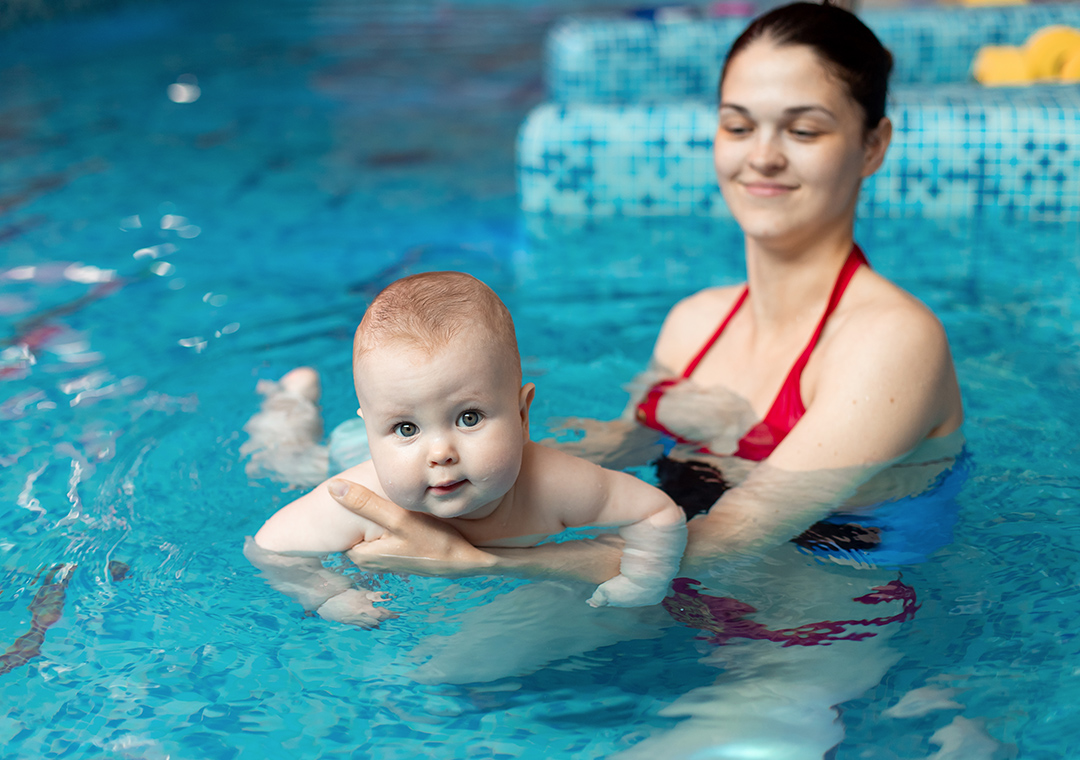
406 429
470 418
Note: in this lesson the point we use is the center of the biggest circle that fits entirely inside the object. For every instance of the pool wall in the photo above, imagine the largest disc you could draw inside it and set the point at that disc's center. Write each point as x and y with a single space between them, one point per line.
629 126
16 12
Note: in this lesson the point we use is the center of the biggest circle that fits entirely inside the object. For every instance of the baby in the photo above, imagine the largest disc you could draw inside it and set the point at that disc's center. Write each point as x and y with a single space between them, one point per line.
438 378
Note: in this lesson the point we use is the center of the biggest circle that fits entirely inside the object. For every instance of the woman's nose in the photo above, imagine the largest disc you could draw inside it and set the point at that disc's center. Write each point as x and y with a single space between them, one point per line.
767 156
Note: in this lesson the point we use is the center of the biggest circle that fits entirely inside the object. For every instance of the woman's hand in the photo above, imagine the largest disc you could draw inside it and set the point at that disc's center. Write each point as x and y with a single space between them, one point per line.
419 544
413 543
615 444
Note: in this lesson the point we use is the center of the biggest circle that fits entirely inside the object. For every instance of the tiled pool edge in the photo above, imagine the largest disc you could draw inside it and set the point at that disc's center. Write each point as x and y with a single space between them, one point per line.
956 150
628 60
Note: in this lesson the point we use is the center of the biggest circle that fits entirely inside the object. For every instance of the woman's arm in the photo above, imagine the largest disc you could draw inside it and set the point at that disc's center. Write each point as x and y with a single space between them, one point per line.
615 444
622 443
418 544
882 390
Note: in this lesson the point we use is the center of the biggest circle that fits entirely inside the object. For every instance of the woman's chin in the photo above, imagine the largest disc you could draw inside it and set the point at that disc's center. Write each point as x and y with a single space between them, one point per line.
768 229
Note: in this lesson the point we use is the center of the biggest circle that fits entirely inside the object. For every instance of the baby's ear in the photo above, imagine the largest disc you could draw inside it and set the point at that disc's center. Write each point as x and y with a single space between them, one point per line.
525 399
359 412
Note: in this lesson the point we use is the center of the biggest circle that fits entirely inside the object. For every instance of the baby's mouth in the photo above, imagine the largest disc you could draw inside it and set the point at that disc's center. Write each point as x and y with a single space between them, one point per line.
449 487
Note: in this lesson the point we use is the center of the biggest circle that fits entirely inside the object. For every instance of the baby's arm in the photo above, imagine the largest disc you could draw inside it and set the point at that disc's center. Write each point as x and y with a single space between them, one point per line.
652 552
652 526
304 579
289 547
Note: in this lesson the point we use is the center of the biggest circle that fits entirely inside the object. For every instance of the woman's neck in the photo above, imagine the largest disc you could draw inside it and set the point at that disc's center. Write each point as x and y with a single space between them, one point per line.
789 284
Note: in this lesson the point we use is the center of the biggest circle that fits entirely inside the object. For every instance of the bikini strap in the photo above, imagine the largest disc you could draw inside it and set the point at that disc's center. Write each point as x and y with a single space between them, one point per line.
646 409
716 335
788 408
854 260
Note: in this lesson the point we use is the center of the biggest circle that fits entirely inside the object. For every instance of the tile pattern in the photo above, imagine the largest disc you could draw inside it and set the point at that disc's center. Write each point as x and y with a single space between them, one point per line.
631 60
957 150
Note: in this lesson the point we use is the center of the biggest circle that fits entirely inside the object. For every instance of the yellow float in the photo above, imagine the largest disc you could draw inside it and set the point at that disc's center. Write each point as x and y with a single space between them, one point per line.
1051 54
1048 48
1001 65
1070 70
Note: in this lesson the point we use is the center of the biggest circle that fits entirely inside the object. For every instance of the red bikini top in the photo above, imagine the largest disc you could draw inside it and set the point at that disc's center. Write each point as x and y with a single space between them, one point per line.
788 407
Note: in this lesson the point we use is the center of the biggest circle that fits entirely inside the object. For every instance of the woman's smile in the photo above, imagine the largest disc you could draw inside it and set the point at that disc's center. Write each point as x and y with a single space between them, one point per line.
764 189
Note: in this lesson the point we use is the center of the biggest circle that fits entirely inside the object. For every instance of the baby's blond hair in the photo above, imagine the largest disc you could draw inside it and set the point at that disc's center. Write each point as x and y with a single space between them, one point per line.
428 310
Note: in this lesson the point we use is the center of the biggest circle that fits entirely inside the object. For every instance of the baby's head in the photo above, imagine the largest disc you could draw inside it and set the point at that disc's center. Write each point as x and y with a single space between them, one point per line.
438 378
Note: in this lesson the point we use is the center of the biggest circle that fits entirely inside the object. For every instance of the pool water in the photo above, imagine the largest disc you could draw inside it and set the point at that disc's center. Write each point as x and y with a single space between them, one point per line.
159 257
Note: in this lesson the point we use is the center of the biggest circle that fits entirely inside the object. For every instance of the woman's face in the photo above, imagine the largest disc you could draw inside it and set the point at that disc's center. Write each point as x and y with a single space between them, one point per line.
791 149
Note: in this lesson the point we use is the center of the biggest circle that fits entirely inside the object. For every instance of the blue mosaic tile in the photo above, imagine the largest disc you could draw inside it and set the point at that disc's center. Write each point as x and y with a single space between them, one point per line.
957 150
632 60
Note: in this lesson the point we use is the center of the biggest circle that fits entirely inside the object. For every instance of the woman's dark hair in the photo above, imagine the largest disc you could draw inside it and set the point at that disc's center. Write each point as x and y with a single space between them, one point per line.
845 45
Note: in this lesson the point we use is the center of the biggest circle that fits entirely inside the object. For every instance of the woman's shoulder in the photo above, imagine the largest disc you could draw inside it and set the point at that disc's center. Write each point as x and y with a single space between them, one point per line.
718 299
882 335
876 309
692 321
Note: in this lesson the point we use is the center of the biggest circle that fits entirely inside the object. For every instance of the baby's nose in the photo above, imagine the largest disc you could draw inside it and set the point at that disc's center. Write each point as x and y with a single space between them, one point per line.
442 453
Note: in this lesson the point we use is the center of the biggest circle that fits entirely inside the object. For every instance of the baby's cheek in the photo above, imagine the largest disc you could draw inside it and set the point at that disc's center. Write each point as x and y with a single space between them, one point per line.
393 477
400 494
503 472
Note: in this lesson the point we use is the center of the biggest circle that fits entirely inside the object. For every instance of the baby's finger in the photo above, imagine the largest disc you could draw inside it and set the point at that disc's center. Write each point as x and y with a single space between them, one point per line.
362 501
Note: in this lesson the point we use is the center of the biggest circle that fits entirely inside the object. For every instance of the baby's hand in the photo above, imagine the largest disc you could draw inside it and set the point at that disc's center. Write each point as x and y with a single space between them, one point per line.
652 551
621 591
356 607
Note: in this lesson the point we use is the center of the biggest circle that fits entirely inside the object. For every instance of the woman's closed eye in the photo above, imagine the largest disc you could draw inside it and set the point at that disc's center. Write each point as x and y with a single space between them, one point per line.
406 429
736 129
470 418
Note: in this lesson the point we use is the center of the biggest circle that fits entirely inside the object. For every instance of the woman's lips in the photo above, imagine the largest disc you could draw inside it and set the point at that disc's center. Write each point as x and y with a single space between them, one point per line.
767 189
444 488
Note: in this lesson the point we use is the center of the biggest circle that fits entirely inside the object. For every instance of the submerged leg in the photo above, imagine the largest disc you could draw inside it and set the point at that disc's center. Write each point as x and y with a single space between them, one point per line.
800 640
284 435
770 701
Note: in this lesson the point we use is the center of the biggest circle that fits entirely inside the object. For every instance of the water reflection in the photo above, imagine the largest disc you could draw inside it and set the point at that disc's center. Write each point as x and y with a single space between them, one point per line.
185 89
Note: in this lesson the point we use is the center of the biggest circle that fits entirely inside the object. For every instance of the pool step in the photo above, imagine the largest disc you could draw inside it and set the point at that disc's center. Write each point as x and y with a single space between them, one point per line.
957 150
624 60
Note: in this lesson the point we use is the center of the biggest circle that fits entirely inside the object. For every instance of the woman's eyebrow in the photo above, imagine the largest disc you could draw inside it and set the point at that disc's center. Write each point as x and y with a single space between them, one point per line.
799 110
793 111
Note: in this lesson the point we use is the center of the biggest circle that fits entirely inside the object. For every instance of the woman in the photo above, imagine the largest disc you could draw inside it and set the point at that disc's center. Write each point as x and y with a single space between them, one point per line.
834 381
788 407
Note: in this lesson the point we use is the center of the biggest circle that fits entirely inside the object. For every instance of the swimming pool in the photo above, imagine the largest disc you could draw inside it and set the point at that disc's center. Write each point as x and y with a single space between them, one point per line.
159 257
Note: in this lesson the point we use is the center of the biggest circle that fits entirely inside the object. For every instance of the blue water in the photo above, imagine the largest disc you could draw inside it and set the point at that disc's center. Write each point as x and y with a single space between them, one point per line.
334 147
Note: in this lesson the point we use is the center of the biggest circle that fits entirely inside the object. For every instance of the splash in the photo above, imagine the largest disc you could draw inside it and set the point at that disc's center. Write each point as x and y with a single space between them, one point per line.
725 618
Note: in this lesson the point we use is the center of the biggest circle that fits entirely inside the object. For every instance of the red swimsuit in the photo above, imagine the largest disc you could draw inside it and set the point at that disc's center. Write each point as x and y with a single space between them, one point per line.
788 407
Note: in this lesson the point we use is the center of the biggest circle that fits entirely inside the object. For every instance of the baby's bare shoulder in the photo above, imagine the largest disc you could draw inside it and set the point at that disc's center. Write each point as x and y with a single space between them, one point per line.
364 474
315 522
575 491
552 481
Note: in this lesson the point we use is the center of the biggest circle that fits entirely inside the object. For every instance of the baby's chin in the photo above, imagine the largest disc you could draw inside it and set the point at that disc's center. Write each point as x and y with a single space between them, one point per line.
468 510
